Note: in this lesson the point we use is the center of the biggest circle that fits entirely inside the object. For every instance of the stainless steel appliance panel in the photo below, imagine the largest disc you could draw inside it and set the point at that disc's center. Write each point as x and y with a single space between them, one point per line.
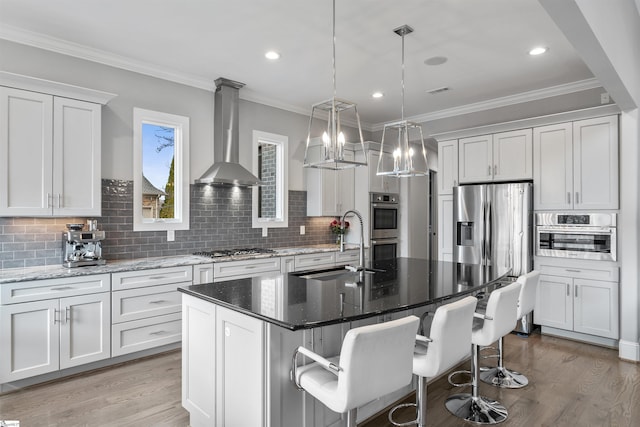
383 216
493 225
381 249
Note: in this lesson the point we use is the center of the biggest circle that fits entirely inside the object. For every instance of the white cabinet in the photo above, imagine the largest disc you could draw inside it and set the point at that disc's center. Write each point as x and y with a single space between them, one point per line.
445 228
62 323
505 156
50 162
146 308
315 261
241 269
381 183
581 298
202 273
330 192
447 166
576 165
223 370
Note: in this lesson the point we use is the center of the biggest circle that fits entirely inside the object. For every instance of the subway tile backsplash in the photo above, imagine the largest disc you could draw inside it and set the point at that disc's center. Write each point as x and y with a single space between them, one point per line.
220 218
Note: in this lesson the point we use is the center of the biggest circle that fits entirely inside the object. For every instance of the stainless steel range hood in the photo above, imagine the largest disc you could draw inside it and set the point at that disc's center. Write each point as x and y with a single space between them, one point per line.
226 170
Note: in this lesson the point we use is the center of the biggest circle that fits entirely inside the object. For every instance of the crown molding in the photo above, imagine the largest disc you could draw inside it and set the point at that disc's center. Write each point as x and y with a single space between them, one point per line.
504 101
76 50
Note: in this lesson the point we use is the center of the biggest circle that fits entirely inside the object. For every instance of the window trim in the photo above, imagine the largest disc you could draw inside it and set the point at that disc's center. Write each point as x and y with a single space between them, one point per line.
181 170
282 143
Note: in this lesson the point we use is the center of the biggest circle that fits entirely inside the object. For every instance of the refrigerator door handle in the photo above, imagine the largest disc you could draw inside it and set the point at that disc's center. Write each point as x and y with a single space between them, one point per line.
489 237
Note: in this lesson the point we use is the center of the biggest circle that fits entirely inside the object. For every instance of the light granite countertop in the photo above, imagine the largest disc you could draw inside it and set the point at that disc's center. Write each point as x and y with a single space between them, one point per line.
11 275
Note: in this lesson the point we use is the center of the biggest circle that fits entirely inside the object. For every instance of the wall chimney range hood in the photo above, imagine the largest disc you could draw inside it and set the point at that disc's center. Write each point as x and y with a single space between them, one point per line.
226 170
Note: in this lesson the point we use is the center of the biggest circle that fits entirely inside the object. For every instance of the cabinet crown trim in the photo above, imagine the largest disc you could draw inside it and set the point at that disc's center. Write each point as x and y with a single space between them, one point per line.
49 87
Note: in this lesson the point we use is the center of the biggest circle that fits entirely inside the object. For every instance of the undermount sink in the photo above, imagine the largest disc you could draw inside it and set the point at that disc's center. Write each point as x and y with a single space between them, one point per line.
331 273
328 274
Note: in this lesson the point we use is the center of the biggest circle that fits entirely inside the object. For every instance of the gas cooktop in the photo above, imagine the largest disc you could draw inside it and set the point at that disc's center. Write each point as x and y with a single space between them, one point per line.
215 253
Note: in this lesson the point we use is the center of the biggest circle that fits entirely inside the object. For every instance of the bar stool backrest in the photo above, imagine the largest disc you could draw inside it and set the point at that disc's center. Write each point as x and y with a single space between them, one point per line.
451 338
376 360
527 298
501 315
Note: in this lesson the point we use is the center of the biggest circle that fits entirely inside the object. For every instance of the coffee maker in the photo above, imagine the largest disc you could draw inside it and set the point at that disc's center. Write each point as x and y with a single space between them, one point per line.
82 248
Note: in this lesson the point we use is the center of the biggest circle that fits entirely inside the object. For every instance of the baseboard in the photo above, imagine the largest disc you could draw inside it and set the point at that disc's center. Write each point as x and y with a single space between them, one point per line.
629 350
577 336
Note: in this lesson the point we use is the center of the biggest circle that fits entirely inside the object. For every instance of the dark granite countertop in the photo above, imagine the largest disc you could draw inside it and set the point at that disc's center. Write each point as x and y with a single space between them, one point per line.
294 301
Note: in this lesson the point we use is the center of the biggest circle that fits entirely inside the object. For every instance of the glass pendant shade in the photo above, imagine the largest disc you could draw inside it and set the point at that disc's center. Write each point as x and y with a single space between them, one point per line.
331 149
409 158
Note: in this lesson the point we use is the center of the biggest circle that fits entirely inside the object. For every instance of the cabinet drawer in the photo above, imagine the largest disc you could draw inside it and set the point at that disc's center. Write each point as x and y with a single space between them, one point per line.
154 277
139 303
578 269
137 335
318 260
37 290
245 268
347 257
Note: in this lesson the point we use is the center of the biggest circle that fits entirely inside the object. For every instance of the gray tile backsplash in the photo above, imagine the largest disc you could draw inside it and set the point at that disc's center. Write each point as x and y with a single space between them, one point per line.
220 218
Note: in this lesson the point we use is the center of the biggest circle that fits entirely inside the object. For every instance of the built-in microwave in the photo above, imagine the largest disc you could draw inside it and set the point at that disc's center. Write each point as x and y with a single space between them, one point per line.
577 235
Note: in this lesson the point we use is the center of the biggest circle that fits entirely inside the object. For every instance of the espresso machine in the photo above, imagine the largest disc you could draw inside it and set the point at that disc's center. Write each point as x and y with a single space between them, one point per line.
82 248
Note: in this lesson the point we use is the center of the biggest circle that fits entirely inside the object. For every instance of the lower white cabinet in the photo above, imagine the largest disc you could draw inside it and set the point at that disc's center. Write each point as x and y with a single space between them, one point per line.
146 308
579 302
47 335
445 228
242 269
315 261
202 273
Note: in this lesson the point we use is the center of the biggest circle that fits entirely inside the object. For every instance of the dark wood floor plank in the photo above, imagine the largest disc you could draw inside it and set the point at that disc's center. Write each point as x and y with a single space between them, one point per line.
571 384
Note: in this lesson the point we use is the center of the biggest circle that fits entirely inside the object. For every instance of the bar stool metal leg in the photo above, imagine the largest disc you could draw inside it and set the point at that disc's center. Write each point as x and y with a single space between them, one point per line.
472 407
502 377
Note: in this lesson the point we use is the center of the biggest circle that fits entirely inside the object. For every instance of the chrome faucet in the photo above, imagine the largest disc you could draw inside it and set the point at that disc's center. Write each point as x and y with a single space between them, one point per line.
360 267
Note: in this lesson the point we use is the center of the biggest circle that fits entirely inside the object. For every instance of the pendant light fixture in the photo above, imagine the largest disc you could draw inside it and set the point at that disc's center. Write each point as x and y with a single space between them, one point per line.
331 150
406 162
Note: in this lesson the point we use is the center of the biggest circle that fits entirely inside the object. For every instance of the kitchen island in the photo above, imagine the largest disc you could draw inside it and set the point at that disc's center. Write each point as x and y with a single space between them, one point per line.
239 336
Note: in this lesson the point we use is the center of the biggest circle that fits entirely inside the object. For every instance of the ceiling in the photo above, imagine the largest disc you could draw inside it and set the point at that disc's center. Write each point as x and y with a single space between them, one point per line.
486 44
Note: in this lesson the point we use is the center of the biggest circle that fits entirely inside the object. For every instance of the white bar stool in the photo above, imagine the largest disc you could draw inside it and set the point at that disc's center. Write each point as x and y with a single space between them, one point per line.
374 360
448 343
499 319
500 376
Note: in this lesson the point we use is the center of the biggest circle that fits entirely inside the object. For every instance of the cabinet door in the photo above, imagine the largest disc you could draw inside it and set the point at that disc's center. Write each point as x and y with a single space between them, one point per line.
85 332
445 228
475 162
376 182
26 120
595 163
76 158
512 155
240 375
596 308
29 338
345 187
447 166
554 302
553 167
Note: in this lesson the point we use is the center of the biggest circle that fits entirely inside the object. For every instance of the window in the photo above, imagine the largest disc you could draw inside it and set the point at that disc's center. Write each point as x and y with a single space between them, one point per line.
270 200
161 171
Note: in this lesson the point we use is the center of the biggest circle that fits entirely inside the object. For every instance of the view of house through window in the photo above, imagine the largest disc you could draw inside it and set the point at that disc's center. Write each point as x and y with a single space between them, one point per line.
158 162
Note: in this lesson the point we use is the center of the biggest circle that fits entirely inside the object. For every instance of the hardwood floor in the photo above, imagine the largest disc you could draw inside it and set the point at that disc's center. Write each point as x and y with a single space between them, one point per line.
571 384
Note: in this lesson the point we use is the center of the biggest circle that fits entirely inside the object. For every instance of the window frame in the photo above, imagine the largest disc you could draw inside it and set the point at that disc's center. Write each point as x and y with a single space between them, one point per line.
180 124
282 179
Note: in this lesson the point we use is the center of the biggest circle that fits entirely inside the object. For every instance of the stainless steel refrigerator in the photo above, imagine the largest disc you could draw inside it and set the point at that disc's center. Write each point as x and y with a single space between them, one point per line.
493 225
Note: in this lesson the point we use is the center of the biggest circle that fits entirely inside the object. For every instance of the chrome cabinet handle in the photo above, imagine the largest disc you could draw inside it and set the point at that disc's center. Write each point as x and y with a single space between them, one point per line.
489 170
568 290
573 271
577 197
157 333
159 301
455 182
59 196
49 200
495 169
62 288
56 316
67 314
575 290
156 277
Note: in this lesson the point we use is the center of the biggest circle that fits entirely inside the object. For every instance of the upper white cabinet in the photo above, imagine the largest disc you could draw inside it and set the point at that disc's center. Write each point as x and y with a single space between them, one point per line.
381 183
50 155
447 166
330 192
502 156
576 165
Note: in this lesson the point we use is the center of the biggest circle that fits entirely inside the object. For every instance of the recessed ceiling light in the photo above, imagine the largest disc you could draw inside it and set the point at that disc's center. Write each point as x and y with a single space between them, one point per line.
272 54
537 50
436 60
377 95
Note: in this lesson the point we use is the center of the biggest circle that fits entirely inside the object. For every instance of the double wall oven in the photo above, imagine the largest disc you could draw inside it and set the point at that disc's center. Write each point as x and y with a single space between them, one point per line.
591 236
383 220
